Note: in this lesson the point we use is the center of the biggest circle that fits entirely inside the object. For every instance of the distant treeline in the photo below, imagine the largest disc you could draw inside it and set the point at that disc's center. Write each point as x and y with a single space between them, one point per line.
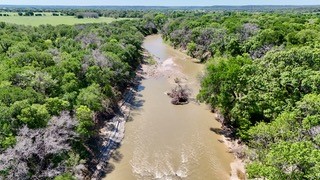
31 13
139 11
159 8
87 15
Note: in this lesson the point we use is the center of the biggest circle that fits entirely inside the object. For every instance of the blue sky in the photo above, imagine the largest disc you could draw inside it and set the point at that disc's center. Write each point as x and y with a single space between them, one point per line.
161 2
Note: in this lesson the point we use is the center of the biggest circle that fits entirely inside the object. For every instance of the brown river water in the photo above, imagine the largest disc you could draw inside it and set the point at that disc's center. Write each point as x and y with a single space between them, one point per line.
168 142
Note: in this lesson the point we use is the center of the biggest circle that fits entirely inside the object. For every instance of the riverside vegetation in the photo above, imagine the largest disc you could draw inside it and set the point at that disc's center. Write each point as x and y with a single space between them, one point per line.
58 82
263 77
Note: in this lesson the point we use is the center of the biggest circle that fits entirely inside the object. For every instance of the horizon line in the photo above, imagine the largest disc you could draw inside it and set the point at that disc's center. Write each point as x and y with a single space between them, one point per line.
158 5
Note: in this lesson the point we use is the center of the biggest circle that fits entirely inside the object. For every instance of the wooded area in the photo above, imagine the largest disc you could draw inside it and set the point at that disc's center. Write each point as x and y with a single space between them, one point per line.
262 75
55 81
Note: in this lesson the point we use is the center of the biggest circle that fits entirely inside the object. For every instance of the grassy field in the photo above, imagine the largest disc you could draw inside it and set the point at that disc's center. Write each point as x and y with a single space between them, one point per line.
53 20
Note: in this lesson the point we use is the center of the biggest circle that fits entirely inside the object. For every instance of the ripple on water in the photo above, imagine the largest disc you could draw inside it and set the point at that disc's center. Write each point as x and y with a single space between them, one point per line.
162 163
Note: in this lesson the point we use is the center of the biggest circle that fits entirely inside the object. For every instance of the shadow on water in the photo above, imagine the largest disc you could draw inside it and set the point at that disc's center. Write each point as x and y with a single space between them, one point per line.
108 169
115 157
137 102
226 132
136 107
217 131
140 88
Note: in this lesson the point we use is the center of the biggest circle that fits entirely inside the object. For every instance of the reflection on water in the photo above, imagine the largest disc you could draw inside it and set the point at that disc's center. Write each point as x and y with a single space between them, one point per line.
164 141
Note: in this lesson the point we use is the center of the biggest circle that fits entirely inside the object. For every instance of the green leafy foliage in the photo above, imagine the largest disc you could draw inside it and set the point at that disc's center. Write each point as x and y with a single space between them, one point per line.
66 176
265 81
252 91
287 147
35 116
52 75
235 33
56 105
91 97
84 116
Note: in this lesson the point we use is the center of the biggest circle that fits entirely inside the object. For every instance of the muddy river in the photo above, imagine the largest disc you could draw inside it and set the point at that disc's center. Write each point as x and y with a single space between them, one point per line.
164 141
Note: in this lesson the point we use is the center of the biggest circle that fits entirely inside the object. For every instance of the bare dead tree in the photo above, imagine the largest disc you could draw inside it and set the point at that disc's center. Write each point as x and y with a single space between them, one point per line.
35 146
248 30
260 52
89 39
183 36
100 59
179 94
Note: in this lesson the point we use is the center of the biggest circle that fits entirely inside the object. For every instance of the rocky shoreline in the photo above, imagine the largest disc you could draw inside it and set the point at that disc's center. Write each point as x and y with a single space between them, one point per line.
238 165
113 131
236 147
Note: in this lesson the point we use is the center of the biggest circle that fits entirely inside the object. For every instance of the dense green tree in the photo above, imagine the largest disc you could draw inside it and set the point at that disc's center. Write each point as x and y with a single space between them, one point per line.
160 19
56 105
36 59
191 47
6 43
223 85
35 116
246 93
6 136
11 94
84 116
287 147
91 97
69 83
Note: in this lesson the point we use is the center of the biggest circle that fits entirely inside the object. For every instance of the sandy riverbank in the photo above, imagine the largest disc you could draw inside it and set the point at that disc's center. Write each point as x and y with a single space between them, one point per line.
238 165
